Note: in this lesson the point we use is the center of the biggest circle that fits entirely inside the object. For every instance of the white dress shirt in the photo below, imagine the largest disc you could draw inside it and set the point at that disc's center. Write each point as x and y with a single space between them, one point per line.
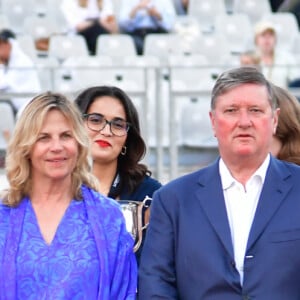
241 203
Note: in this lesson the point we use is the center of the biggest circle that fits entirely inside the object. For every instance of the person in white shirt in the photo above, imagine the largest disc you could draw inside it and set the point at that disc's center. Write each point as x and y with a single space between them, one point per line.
277 65
17 71
90 18
229 231
141 17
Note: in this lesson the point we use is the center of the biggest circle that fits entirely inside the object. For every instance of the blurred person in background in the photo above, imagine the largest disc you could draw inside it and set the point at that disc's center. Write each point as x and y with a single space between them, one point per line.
90 18
117 146
59 238
17 70
249 58
141 17
286 140
277 65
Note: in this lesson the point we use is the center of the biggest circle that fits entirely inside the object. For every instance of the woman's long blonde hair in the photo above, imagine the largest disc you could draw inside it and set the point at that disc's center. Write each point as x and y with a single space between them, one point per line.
28 126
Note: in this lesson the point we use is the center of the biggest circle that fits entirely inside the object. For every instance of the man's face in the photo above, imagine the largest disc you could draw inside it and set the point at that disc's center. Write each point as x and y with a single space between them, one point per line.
5 49
243 122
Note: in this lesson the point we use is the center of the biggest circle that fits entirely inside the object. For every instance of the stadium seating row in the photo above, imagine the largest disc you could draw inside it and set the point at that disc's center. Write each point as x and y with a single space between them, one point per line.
233 31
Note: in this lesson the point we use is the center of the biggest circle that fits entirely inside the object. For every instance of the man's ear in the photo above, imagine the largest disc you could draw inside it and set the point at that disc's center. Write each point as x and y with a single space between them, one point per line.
212 121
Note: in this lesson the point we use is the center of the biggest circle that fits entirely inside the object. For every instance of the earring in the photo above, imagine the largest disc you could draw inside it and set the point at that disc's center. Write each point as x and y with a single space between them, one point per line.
124 150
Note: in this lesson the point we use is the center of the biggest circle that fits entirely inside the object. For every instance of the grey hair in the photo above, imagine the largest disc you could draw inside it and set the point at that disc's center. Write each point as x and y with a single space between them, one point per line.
236 77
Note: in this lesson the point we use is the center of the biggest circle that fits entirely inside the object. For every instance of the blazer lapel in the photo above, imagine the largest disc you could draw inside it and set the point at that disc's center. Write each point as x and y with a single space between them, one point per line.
273 193
212 200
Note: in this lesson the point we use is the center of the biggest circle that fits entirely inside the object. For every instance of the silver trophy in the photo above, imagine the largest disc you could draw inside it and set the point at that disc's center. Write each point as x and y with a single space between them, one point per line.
135 220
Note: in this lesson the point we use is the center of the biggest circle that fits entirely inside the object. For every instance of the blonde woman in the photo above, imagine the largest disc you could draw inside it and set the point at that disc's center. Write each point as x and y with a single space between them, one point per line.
59 238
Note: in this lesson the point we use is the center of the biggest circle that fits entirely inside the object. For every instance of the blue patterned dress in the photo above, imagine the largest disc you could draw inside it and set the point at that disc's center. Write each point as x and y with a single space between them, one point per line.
90 256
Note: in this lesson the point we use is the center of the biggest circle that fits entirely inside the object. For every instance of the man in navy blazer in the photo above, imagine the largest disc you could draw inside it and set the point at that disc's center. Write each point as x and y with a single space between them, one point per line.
231 230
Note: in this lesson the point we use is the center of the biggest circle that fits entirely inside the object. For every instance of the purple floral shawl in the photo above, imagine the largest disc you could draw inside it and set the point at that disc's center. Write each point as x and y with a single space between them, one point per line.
118 278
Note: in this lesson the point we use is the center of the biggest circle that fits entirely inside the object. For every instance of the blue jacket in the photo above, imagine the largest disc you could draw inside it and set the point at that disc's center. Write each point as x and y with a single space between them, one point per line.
188 252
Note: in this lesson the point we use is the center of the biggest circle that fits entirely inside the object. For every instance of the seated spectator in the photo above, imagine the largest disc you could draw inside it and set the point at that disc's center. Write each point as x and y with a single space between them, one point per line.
90 18
181 6
17 71
277 65
286 140
141 17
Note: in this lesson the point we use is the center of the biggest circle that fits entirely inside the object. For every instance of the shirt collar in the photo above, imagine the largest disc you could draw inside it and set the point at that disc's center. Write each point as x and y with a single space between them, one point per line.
228 180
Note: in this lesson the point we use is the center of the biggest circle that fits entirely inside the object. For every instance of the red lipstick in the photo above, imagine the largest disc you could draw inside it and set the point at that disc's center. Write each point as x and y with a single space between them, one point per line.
102 143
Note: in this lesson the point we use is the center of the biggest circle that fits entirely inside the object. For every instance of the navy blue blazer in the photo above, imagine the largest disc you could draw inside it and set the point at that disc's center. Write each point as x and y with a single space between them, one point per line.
188 252
146 188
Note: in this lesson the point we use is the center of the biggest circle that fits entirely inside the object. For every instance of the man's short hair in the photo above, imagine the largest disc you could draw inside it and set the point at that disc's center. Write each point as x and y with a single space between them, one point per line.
232 78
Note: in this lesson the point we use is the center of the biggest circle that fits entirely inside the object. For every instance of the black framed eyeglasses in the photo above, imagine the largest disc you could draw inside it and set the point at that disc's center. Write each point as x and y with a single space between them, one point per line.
97 122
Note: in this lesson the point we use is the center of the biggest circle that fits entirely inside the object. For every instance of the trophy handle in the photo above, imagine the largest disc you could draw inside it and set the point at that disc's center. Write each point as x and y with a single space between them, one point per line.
145 203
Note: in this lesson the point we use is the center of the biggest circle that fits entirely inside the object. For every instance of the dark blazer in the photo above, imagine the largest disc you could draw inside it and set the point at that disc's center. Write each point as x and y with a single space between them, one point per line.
188 252
146 188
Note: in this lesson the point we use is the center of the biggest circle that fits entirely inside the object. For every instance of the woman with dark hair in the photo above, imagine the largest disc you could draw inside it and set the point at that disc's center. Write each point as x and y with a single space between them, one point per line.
117 149
286 140
117 146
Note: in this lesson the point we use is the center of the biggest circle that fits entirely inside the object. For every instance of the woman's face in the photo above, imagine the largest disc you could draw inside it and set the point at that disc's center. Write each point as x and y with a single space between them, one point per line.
106 146
55 152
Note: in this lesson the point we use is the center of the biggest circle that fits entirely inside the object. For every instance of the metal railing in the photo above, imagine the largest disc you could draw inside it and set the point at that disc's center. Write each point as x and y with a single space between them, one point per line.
158 91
